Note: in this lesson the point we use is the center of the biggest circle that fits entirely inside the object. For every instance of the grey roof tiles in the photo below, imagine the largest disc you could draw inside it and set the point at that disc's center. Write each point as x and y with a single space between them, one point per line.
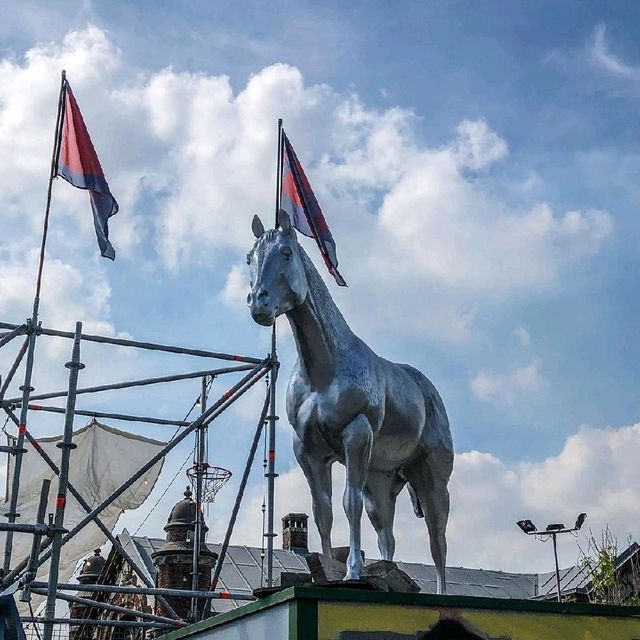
243 571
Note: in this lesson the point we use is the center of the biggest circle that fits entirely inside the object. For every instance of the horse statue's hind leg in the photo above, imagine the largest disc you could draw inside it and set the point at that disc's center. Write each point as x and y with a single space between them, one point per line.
380 495
428 476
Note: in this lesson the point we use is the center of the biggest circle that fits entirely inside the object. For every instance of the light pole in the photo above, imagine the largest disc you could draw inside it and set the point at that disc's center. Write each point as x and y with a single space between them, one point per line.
552 530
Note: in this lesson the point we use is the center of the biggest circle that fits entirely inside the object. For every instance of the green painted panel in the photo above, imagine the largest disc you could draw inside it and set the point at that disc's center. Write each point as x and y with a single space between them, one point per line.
303 620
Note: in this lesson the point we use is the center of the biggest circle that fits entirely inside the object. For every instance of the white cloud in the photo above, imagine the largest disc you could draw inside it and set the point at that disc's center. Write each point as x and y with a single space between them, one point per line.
218 152
235 289
595 472
506 388
477 145
191 160
604 59
523 336
455 234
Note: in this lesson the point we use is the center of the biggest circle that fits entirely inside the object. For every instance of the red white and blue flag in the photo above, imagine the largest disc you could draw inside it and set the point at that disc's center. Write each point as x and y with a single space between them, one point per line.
299 201
78 163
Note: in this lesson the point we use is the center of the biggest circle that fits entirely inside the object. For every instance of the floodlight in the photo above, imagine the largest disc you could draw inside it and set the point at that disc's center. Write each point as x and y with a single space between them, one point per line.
552 532
527 526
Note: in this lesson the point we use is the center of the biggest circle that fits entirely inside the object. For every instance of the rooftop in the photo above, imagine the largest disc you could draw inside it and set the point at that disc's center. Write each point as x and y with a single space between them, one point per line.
243 571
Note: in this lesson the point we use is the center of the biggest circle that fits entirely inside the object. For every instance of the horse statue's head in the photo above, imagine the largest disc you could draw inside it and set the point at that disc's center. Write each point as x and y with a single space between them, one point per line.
278 280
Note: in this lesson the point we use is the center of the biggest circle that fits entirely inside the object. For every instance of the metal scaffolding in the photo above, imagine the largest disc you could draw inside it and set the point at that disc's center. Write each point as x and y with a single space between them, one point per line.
49 538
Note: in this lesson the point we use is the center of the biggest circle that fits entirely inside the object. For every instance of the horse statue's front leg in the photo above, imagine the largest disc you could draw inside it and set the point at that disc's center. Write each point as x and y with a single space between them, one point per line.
317 471
357 439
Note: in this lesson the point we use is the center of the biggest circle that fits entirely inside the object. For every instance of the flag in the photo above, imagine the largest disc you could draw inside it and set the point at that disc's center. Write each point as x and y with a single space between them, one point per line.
78 164
299 201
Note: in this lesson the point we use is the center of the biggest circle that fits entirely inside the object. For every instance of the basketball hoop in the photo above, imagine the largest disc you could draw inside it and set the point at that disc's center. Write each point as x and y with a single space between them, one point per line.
213 479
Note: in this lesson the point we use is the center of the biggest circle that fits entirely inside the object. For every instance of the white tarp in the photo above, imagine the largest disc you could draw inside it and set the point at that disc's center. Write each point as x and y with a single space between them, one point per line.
103 460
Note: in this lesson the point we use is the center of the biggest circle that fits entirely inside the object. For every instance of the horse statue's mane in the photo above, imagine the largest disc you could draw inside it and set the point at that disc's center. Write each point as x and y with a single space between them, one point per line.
322 301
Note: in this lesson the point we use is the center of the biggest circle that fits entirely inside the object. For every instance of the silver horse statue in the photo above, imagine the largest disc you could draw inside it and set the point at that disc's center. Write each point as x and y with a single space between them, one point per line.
385 422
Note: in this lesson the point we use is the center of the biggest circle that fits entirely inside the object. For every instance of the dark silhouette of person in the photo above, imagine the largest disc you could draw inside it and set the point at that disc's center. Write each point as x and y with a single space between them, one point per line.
451 630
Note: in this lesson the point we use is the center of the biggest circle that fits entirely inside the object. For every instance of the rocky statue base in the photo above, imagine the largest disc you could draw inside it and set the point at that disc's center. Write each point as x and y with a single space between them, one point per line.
381 575
329 572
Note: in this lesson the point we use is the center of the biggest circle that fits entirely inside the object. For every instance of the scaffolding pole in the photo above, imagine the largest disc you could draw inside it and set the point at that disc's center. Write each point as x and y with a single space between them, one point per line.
201 432
150 591
26 389
14 333
14 367
35 545
150 346
105 530
271 474
136 383
124 417
74 366
239 496
97 623
107 607
256 374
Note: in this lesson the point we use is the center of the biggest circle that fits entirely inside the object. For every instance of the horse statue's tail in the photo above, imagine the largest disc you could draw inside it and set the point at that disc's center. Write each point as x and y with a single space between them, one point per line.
417 507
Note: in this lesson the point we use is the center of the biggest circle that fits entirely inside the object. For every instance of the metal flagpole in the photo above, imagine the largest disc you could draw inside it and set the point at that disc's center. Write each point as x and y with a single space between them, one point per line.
271 474
32 329
52 175
279 172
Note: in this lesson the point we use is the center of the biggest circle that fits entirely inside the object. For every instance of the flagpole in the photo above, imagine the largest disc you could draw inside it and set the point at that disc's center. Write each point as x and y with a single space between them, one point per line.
52 175
32 324
271 457
279 172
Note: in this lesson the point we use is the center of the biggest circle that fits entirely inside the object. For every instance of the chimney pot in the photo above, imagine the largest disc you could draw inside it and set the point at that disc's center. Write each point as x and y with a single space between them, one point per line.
295 533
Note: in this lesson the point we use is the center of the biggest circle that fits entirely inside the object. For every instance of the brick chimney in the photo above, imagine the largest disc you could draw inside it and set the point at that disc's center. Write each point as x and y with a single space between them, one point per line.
295 533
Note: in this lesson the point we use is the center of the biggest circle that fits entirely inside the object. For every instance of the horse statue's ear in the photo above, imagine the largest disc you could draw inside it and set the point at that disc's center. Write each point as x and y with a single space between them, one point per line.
284 221
257 227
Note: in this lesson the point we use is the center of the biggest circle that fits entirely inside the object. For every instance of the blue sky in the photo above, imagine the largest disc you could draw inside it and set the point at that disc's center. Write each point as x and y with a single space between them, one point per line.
478 164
